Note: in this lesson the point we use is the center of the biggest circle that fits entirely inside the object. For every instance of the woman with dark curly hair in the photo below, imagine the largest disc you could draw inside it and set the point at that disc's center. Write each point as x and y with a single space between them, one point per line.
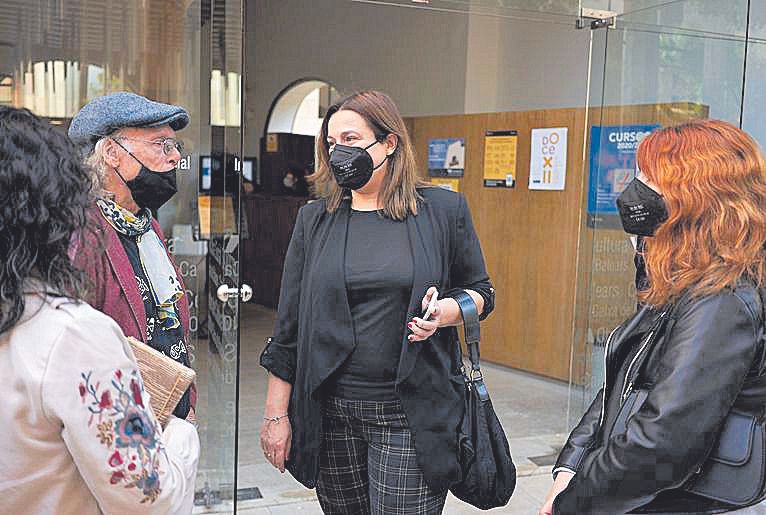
80 436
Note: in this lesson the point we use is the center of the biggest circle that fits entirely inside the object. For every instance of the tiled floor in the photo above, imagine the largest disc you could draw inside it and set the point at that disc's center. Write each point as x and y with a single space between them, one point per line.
532 411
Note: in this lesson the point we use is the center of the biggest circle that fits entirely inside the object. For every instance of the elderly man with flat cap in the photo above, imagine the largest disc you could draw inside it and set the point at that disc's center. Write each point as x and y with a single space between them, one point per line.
130 141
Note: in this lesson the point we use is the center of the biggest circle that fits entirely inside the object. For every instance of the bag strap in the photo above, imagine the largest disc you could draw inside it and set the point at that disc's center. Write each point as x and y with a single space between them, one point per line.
471 326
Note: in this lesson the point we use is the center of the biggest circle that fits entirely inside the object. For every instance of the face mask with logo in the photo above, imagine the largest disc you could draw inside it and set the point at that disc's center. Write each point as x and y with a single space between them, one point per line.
353 166
150 189
641 208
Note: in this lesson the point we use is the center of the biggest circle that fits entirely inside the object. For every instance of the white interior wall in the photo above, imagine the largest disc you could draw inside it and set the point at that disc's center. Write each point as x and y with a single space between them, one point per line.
447 63
416 56
430 62
517 65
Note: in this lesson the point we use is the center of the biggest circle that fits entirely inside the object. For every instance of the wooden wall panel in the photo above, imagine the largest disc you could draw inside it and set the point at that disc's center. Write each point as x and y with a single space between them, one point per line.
537 247
529 238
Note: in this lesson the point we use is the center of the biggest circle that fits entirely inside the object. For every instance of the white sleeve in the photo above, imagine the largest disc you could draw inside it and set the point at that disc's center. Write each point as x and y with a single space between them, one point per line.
93 388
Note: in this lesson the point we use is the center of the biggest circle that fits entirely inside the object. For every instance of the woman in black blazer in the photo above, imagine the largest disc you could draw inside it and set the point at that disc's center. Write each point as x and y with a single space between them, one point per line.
365 396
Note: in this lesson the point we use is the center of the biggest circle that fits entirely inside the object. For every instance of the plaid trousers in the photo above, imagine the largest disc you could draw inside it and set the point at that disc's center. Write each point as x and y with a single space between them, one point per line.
367 463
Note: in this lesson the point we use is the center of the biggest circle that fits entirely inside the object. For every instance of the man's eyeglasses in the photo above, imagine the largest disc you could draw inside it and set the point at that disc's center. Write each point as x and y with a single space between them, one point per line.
167 144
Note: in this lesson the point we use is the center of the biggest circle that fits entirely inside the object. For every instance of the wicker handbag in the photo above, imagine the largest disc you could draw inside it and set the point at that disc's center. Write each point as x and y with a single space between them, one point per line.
165 379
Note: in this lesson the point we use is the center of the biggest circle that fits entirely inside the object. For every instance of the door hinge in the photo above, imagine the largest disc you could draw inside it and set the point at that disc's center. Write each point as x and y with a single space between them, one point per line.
596 19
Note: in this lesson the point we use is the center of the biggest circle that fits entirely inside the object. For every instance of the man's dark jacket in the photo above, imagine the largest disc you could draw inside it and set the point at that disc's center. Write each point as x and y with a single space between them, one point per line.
314 332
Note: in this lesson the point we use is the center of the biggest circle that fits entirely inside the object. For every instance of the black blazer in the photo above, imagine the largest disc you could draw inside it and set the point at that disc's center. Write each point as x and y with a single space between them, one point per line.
314 333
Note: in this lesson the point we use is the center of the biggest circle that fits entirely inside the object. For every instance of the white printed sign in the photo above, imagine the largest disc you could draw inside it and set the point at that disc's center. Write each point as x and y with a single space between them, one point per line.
548 162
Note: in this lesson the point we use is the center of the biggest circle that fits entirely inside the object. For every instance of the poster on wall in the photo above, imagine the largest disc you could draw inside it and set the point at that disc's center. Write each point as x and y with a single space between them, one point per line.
548 161
447 183
500 158
446 157
612 167
272 143
206 173
215 216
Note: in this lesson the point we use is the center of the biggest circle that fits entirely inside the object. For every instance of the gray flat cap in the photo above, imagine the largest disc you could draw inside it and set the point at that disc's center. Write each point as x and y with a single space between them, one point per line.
103 115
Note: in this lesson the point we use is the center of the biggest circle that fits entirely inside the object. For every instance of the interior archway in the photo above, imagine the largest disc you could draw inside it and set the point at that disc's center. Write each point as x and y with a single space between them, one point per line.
300 107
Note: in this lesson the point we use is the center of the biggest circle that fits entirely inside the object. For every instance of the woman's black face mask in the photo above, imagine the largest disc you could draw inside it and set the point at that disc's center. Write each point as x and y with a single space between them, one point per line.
641 208
353 166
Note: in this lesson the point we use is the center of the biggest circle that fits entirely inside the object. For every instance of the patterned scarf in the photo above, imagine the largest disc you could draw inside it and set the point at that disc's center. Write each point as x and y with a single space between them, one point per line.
159 271
123 220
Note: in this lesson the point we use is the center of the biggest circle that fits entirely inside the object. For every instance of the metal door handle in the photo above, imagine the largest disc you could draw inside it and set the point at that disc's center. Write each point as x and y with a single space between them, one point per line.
224 292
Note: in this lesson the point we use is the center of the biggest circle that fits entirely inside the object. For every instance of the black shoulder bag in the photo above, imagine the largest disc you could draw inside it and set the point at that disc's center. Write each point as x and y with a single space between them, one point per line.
488 472
734 471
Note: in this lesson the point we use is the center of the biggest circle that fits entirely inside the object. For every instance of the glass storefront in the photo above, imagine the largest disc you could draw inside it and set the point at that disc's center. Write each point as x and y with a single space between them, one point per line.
57 56
663 63
456 70
257 76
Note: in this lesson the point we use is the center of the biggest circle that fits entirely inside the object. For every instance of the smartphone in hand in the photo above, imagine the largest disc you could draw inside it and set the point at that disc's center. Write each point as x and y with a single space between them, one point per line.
431 306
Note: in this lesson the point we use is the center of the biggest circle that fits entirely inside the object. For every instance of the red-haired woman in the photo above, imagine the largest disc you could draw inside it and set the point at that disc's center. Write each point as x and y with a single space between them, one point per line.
682 368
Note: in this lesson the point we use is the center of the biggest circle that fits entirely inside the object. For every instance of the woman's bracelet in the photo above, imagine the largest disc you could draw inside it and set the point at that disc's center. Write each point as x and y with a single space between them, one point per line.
274 419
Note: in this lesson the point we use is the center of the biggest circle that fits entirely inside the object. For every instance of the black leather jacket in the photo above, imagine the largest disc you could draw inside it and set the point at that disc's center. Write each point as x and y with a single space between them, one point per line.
710 359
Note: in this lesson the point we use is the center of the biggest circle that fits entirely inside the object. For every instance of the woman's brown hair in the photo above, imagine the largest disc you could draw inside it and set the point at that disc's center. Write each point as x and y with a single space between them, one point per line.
712 177
398 193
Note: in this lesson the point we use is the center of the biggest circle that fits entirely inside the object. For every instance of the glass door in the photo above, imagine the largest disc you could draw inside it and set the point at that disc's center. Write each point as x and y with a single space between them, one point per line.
660 64
217 224
460 71
57 56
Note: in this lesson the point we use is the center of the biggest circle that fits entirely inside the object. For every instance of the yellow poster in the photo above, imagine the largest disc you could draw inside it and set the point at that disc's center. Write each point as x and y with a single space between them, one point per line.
447 184
500 159
216 216
272 143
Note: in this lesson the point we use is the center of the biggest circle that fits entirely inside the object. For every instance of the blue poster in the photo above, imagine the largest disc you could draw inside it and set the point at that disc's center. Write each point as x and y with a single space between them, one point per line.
446 157
612 164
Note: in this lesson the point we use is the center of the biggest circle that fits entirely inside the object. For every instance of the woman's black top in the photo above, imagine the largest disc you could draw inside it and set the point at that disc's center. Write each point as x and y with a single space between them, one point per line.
379 282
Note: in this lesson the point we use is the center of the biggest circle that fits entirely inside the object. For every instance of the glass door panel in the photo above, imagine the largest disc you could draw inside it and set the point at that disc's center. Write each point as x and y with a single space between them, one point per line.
662 64
57 56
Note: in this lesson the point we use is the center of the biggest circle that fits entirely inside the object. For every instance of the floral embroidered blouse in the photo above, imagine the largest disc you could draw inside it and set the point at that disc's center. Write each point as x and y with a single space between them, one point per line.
80 434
